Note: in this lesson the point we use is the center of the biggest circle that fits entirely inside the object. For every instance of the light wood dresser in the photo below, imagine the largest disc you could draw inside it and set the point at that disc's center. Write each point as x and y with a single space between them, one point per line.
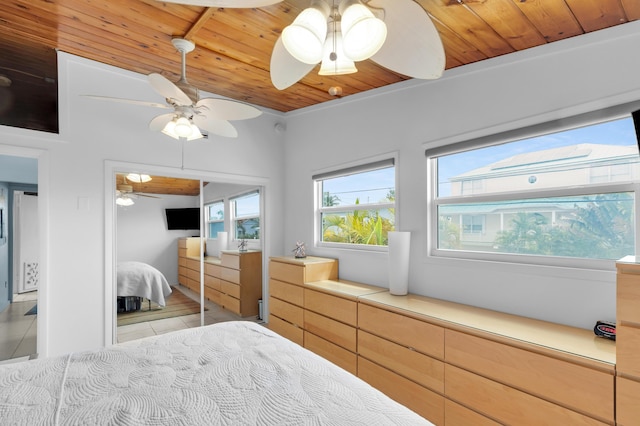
474 366
233 281
451 363
628 341
310 306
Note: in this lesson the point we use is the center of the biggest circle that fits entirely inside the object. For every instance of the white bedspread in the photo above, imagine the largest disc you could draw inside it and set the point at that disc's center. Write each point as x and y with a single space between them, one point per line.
142 280
234 373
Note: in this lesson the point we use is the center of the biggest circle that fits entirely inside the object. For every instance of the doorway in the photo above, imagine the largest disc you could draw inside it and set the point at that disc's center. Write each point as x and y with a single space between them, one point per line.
20 261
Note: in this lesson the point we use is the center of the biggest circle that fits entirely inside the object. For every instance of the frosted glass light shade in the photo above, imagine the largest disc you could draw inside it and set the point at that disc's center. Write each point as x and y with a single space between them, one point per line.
304 38
362 33
170 130
138 178
124 201
333 44
183 127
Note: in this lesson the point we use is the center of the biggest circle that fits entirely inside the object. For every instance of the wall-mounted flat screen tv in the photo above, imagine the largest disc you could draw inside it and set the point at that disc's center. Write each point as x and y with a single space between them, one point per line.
185 218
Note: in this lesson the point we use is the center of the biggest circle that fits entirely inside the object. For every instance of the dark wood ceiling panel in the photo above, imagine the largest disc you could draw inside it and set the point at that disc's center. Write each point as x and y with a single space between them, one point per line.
234 46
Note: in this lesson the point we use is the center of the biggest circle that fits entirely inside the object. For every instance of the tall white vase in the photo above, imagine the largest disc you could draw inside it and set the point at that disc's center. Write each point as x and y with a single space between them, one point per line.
399 245
223 241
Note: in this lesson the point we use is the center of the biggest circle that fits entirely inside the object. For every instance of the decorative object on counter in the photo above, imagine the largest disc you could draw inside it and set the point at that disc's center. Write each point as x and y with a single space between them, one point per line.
299 252
223 240
399 244
242 245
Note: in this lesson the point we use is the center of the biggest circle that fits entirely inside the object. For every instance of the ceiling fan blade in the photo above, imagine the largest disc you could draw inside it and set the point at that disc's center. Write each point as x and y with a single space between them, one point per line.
128 101
158 123
226 3
140 194
226 109
413 46
285 69
215 125
167 89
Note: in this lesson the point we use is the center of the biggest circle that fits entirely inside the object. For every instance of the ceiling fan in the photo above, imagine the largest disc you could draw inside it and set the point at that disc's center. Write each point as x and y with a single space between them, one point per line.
190 113
124 191
397 34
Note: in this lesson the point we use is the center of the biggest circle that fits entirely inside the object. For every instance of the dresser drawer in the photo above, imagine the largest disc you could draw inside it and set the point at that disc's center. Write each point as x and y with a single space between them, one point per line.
230 260
341 334
193 275
285 329
182 270
212 282
182 260
232 275
627 402
418 367
287 311
628 298
213 295
573 386
285 291
193 285
231 303
287 272
402 330
211 269
628 350
331 306
230 288
426 403
506 404
456 414
193 264
334 353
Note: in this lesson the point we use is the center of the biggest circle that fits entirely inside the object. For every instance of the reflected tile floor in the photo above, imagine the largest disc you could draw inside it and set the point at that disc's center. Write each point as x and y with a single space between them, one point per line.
213 315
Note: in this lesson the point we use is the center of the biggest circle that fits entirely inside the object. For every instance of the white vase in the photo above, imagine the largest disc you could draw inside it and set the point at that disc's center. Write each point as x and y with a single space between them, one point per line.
399 245
223 241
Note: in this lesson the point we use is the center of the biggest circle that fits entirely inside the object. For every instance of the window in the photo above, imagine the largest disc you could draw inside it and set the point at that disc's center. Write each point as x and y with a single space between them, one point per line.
558 198
214 216
356 206
245 210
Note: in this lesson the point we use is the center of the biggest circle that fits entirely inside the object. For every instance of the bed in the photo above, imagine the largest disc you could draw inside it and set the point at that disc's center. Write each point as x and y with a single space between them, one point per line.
232 373
142 280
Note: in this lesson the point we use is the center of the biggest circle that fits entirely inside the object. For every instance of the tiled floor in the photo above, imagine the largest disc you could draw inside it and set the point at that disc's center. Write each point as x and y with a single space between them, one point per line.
17 330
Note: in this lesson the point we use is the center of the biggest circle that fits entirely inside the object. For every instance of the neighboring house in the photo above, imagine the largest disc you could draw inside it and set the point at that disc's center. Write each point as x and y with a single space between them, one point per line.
480 224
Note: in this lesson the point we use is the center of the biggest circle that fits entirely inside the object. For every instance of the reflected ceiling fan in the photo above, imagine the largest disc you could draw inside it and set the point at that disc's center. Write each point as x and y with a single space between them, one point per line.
124 191
397 34
190 113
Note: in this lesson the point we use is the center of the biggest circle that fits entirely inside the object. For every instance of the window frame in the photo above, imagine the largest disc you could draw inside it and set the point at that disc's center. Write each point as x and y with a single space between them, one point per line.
207 221
363 166
233 217
556 126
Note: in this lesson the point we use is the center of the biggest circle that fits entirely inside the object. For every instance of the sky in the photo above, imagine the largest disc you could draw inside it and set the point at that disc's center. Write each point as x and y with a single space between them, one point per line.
617 132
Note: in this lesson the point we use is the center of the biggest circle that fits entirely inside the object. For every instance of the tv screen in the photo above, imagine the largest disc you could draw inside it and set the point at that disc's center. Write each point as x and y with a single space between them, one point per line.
186 218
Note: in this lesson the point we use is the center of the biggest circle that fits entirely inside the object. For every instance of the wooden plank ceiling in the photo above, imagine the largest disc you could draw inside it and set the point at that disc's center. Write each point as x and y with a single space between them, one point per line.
159 185
233 46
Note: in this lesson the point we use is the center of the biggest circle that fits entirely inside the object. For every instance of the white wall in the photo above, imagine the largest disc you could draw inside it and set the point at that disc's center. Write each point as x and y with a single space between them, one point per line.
549 82
72 185
143 235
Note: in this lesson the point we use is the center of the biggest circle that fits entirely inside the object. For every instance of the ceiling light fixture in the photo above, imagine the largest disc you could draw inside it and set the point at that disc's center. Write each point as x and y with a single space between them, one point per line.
310 38
182 127
124 201
138 178
396 34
